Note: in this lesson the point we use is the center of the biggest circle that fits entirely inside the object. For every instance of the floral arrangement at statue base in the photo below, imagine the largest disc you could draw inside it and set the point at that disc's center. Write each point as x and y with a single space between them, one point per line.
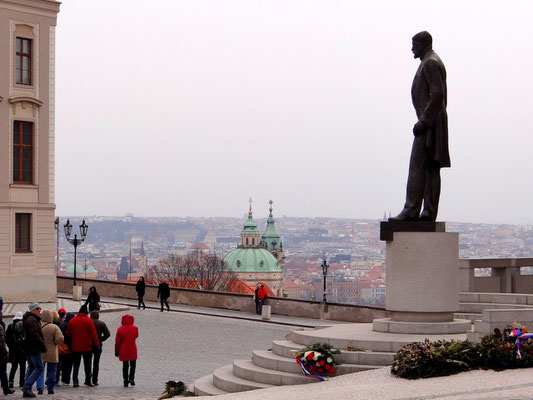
173 388
317 360
512 349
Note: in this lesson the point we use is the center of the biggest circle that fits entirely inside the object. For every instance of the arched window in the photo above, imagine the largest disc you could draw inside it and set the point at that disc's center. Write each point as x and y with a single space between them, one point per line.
261 263
246 241
238 263
253 242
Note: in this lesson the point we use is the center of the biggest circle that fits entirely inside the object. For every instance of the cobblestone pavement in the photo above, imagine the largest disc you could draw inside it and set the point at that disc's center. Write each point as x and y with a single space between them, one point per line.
172 346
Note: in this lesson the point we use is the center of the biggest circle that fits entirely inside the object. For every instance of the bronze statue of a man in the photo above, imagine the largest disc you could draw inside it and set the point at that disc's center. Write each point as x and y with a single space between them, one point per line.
430 145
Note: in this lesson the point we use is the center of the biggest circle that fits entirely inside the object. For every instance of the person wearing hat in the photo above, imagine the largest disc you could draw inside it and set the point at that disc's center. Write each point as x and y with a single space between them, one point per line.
62 313
52 337
33 347
16 353
83 338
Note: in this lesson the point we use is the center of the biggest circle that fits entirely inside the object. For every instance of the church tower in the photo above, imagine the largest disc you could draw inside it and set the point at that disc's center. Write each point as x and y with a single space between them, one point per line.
271 240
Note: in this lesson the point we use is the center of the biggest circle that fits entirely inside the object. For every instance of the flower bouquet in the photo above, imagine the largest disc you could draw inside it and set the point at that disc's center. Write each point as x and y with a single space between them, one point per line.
317 360
173 388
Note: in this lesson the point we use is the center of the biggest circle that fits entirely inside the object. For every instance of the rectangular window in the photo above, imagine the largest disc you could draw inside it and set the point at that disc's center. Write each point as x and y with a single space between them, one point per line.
22 152
22 233
23 61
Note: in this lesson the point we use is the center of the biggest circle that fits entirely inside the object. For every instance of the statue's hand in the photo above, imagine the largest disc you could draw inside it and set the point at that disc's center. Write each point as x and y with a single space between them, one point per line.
419 128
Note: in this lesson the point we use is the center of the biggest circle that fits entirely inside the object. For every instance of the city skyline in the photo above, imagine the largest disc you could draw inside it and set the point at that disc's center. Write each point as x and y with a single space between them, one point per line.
189 108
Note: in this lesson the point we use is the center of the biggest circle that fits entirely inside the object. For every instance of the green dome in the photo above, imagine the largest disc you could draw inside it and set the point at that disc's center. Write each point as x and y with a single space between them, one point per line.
79 269
251 260
91 270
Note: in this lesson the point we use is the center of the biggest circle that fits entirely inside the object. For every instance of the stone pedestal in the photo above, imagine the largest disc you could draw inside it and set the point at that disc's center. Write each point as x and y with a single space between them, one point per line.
266 312
422 282
76 293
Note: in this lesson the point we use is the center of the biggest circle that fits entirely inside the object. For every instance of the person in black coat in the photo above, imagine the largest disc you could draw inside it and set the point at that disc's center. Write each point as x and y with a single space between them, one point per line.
93 299
66 359
140 288
3 359
16 354
163 293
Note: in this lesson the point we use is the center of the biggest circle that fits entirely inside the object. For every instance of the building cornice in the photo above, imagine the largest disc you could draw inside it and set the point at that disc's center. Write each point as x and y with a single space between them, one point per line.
48 8
25 99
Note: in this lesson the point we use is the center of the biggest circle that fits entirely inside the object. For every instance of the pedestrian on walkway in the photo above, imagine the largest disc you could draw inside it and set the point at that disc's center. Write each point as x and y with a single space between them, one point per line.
16 353
126 349
163 293
62 314
93 299
65 353
3 359
140 288
103 334
256 298
262 295
33 347
83 338
52 337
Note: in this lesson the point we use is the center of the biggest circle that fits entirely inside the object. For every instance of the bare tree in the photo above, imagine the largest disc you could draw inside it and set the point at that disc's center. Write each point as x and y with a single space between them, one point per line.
195 270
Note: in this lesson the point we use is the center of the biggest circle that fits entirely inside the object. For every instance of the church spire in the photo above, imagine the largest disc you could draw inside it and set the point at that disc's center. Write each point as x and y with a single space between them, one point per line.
270 238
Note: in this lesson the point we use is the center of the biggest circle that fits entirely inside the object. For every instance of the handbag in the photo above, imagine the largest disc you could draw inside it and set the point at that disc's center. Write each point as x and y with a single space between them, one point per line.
63 349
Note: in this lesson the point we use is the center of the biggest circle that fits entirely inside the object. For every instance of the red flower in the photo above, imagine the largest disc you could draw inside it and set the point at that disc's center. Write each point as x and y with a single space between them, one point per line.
310 356
327 367
321 370
332 371
321 363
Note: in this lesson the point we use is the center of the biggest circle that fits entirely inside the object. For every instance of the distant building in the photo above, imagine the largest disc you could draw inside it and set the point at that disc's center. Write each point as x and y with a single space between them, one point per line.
27 141
253 260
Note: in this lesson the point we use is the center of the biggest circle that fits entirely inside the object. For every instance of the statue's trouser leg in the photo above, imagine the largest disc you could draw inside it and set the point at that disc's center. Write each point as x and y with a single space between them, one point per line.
432 190
416 181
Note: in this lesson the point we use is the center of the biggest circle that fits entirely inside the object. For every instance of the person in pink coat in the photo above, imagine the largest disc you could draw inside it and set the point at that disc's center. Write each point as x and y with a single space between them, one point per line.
126 349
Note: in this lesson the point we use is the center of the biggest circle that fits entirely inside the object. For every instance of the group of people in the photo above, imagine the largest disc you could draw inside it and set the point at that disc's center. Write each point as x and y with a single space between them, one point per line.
49 343
163 294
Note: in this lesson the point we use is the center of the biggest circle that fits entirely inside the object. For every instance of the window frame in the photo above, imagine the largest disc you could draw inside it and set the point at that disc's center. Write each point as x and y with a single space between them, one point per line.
23 242
18 129
19 72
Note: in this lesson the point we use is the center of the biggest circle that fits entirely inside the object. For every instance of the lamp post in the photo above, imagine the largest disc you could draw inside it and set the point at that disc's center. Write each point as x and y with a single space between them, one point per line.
56 227
75 241
325 267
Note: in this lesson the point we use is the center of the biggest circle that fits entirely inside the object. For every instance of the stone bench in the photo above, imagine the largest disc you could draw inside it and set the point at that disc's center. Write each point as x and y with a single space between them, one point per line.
501 319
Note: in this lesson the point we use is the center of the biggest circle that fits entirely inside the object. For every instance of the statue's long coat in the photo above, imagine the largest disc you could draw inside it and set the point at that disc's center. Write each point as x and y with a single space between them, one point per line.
429 96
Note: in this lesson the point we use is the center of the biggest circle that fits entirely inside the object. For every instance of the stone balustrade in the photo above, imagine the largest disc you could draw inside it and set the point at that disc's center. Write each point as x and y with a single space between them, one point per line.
505 276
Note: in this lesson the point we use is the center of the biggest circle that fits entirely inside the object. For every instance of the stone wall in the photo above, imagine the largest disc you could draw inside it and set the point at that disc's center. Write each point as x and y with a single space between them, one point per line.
230 301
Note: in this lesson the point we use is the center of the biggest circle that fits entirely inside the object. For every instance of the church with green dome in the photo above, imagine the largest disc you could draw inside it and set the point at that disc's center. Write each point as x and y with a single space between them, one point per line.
258 258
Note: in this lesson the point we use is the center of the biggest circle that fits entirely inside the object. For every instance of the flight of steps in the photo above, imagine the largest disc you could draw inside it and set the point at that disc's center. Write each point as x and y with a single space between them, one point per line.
278 367
471 304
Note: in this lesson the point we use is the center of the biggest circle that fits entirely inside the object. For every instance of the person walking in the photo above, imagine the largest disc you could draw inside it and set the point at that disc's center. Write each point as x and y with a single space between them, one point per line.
126 348
65 353
163 293
262 295
103 334
93 299
3 359
140 288
16 353
83 338
33 347
52 337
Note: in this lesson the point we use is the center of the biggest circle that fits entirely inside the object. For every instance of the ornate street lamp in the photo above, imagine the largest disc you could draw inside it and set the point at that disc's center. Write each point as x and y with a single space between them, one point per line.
75 241
325 267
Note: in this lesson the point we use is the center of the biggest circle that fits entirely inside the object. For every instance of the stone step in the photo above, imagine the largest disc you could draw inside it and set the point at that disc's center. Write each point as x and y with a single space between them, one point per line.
499 298
471 316
223 378
286 348
267 359
204 387
246 369
479 307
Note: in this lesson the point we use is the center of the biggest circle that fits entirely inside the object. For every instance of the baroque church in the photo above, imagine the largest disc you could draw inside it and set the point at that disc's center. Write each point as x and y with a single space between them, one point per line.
258 258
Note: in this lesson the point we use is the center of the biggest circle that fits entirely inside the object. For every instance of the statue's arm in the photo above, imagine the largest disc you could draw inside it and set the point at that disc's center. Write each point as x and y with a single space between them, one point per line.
431 73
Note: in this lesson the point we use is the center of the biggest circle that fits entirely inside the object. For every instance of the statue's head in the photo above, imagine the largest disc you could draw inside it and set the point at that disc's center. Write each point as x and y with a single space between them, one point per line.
422 43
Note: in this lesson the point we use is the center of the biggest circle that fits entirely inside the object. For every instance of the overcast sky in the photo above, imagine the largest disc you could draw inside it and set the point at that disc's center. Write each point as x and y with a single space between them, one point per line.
189 107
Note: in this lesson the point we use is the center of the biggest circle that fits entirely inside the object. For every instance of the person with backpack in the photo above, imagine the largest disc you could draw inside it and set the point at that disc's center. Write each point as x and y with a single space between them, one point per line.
3 359
103 334
15 336
65 351
34 347
52 337
126 348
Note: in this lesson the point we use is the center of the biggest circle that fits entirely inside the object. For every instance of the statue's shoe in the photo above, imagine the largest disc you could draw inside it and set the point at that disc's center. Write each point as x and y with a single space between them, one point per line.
426 217
402 217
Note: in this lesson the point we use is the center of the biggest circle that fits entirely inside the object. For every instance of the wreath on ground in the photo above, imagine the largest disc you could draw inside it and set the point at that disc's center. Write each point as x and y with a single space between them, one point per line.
512 349
173 388
317 360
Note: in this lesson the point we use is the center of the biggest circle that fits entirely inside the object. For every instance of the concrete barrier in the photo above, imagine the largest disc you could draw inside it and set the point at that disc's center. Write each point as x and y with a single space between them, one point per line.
230 301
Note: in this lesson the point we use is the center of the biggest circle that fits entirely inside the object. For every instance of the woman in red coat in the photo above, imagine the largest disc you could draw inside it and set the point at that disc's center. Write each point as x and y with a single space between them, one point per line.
126 349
